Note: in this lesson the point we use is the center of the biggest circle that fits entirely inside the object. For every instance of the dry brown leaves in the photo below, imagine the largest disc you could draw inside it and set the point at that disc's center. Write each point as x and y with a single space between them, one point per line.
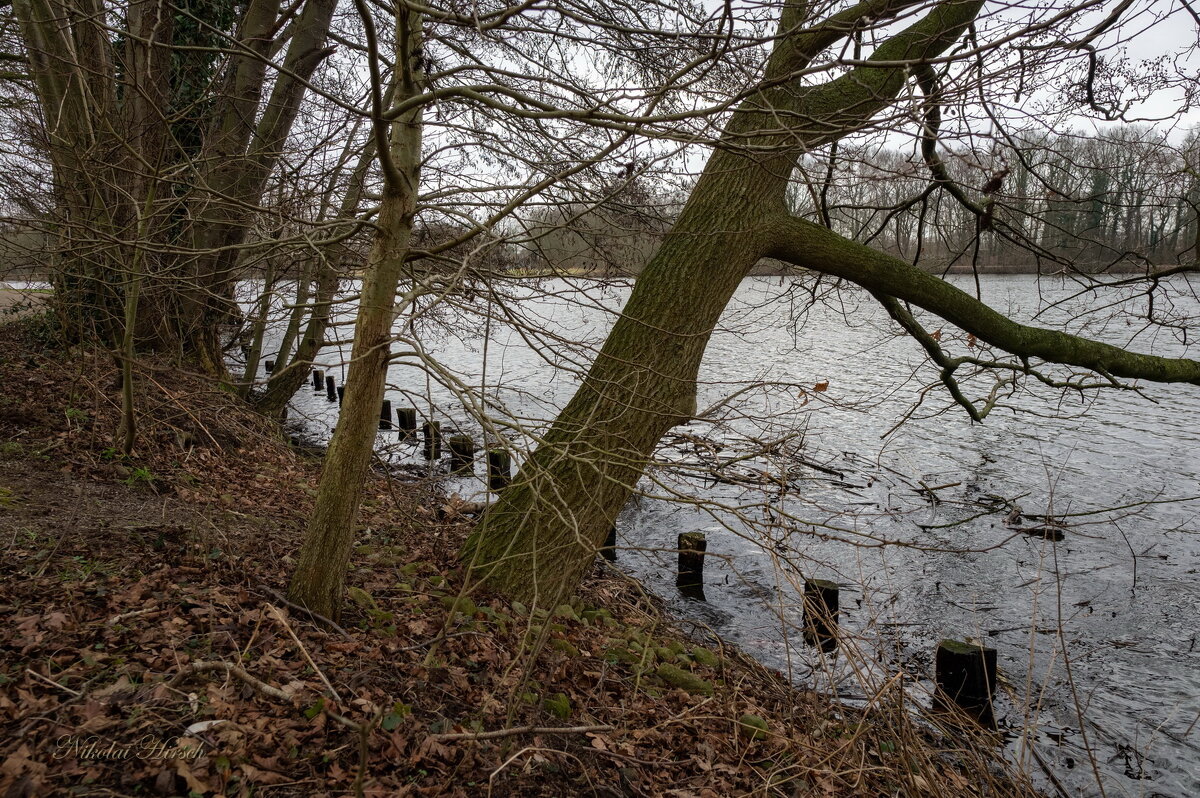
140 617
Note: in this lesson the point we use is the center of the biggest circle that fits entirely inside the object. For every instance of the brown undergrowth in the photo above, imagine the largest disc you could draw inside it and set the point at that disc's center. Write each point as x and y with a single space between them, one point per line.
147 650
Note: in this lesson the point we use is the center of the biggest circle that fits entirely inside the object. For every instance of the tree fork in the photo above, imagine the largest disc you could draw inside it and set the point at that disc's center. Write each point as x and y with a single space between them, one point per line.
537 540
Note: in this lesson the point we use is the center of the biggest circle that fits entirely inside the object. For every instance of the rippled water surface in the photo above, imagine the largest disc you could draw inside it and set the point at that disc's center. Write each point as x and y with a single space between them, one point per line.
1101 625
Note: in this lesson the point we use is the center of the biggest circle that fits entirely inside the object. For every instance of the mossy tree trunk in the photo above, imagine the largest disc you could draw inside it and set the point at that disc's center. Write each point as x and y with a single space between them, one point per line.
544 530
318 582
111 129
537 540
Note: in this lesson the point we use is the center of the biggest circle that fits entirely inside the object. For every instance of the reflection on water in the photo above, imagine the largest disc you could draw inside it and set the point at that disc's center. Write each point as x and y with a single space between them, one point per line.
1110 609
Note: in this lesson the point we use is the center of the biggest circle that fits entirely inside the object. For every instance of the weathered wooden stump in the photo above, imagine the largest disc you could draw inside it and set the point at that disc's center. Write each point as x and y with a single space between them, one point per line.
609 550
966 675
821 613
341 393
318 379
406 420
269 366
462 454
331 389
433 439
499 464
690 578
385 414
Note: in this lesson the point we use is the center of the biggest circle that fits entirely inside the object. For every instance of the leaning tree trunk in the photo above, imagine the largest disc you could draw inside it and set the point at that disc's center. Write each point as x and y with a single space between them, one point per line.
320 575
540 536
246 143
537 540
287 379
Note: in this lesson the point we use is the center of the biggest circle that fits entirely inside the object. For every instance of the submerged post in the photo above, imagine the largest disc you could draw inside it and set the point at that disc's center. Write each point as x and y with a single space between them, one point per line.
318 379
499 464
966 675
270 366
433 439
406 420
385 414
462 454
821 613
609 550
690 579
331 389
341 393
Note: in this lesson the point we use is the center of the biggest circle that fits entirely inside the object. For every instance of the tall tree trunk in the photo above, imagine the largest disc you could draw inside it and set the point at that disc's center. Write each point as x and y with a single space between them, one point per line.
108 118
243 155
320 575
538 538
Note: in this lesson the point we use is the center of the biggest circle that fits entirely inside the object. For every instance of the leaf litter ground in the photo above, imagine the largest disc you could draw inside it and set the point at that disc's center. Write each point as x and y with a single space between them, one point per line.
147 649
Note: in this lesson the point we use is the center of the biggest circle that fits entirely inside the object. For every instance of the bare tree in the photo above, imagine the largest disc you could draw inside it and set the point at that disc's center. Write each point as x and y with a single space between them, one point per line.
162 125
539 537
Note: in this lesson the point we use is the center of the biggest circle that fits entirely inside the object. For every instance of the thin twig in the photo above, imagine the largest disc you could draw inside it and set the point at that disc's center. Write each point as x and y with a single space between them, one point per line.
304 651
491 735
50 681
127 615
316 616
233 670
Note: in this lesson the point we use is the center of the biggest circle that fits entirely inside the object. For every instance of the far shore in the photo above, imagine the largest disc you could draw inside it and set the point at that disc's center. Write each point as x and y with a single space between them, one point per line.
10 295
18 300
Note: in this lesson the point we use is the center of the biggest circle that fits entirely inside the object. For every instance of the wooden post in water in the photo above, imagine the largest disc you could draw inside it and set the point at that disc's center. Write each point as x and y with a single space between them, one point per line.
462 454
331 389
433 439
385 414
690 579
341 393
318 379
821 613
966 675
270 366
499 464
609 550
406 420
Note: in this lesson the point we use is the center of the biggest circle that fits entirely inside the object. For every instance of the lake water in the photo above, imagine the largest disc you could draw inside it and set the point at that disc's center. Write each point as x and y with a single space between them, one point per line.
1095 634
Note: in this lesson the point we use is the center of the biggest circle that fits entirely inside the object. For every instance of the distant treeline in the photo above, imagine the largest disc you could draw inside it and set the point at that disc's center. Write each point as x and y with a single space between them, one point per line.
1123 200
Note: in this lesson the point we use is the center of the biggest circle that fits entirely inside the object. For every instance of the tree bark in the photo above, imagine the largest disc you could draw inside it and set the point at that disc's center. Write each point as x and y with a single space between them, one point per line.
318 582
242 155
108 118
544 530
